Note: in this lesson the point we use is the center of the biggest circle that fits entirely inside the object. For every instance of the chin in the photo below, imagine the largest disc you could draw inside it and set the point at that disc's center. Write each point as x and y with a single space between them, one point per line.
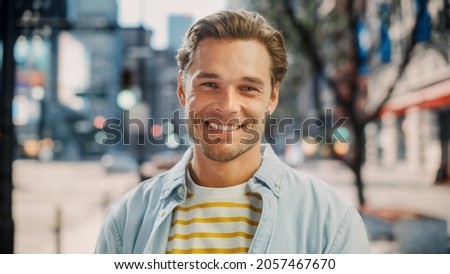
224 153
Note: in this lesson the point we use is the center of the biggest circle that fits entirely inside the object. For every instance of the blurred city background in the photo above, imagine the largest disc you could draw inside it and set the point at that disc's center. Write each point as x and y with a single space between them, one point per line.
370 78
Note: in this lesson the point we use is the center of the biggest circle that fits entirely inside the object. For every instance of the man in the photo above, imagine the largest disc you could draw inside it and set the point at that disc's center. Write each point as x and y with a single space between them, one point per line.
230 193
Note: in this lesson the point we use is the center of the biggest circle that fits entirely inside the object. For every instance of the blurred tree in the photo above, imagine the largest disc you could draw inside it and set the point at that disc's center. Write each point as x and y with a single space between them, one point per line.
334 37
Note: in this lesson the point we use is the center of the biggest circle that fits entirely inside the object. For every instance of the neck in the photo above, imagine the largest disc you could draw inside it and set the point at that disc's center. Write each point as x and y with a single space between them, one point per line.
210 173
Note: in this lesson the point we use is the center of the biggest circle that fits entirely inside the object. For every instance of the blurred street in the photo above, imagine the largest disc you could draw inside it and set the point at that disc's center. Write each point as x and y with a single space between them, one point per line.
83 190
79 190
398 187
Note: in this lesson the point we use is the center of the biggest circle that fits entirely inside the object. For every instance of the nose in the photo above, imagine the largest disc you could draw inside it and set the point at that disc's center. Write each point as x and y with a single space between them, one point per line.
228 101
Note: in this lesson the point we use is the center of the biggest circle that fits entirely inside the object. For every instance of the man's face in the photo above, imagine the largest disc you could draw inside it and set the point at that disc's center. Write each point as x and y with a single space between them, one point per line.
226 93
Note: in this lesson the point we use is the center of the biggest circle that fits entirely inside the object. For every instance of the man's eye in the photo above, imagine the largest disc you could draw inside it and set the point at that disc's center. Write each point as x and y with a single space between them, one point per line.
248 88
209 84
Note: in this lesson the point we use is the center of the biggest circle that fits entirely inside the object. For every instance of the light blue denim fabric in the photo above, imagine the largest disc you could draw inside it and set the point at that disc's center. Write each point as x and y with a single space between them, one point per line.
301 213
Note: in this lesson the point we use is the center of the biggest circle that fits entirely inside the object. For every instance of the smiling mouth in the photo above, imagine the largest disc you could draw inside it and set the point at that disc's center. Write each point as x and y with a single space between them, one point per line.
220 127
217 126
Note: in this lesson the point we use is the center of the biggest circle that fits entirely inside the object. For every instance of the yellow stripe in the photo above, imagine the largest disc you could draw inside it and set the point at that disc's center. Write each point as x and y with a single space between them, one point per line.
215 220
219 204
210 235
254 195
250 194
208 250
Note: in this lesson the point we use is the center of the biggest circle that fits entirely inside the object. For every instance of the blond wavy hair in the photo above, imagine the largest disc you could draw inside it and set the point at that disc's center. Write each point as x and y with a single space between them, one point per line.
240 24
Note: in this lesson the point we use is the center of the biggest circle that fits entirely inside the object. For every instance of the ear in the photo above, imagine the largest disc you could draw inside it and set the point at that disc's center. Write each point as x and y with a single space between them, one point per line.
274 99
180 89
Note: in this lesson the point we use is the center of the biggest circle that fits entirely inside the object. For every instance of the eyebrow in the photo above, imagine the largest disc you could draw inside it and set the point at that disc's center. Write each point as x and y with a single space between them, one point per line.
251 79
206 75
254 80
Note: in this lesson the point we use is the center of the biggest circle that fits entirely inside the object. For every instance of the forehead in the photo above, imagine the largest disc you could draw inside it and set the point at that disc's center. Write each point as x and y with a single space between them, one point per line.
232 58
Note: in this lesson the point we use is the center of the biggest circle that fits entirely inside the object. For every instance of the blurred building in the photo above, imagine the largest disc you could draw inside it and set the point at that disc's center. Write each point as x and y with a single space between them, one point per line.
97 33
238 4
178 26
77 70
152 76
413 130
62 89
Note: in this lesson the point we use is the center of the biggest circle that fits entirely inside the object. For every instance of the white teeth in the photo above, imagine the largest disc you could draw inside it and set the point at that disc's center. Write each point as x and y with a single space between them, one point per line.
224 128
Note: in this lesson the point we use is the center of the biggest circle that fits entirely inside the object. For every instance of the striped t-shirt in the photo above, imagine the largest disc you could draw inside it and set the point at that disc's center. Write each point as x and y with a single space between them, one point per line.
214 220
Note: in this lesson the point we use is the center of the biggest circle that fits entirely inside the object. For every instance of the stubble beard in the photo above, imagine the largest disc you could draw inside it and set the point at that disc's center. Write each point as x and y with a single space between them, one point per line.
223 151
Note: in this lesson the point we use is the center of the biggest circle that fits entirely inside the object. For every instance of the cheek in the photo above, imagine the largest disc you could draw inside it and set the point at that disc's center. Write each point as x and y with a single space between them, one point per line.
193 102
193 107
196 107
258 110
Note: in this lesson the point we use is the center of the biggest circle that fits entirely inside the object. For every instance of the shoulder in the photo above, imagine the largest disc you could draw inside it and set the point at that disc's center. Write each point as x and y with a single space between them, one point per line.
145 199
318 190
315 203
142 195
124 219
138 203
296 186
312 195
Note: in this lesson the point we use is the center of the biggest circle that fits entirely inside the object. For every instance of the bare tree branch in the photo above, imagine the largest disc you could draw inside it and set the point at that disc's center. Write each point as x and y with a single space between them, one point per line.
305 34
401 71
312 50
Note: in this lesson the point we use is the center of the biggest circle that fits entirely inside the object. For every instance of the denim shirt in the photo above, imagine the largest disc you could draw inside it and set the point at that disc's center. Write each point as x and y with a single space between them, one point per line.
301 213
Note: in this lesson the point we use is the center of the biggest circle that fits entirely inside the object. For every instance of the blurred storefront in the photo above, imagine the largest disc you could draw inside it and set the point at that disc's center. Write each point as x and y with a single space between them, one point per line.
414 126
413 130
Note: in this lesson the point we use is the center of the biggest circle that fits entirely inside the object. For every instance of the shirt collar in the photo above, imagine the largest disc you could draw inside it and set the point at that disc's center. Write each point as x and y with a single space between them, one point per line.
176 176
270 173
